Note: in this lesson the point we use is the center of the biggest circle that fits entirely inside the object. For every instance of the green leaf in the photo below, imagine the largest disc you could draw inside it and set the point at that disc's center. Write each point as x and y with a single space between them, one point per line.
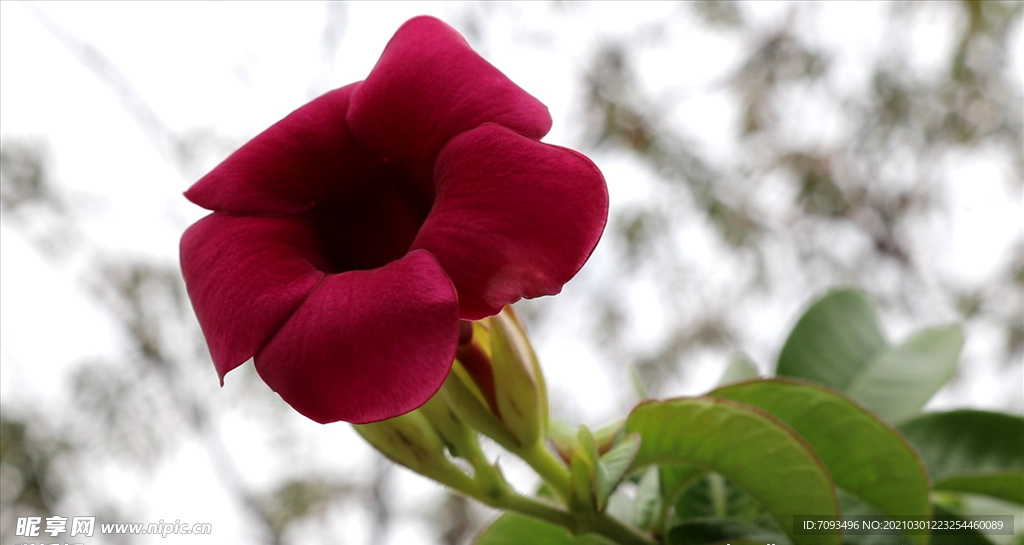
853 507
747 446
516 529
898 382
713 496
648 500
972 451
740 368
640 389
620 506
609 435
864 455
970 537
1006 485
834 338
675 478
583 468
702 532
838 343
613 467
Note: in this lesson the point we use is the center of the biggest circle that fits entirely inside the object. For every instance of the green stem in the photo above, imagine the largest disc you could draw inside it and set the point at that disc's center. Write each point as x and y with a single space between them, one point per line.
601 524
619 532
534 508
557 476
550 468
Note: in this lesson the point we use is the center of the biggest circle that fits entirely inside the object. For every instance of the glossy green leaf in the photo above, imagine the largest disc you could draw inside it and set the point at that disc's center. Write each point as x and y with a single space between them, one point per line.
864 455
705 532
833 340
747 446
515 529
972 451
897 383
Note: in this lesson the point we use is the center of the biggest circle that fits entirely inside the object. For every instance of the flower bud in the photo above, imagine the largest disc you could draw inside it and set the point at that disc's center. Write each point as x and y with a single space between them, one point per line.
496 384
410 440
462 441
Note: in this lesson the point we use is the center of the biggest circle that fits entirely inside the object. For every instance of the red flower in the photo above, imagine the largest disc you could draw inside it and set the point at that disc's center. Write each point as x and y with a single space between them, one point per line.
348 240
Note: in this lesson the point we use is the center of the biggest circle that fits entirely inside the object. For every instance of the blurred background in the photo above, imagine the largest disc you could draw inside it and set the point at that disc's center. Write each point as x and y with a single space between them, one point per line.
756 154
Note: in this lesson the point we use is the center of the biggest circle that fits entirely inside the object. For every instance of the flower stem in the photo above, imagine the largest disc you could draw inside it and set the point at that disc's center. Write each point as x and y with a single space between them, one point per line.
534 508
619 532
557 476
551 469
602 524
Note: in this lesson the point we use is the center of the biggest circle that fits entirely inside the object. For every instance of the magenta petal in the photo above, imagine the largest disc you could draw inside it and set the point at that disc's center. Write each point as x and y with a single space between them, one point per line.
367 345
299 160
429 86
513 217
245 277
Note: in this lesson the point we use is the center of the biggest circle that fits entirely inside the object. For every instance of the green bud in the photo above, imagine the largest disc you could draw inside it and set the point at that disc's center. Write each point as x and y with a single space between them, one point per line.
461 439
519 383
410 440
496 384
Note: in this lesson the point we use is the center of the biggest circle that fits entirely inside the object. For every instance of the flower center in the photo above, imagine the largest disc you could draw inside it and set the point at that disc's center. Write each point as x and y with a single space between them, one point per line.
369 223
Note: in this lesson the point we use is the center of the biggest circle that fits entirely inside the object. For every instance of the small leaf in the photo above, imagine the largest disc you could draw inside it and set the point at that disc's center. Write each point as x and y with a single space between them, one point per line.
747 446
640 389
972 451
834 338
864 455
584 472
648 500
740 369
898 382
515 529
620 505
609 435
613 467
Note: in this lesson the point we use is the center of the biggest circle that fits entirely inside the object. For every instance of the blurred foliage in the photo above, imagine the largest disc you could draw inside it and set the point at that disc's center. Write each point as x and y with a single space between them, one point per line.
857 199
27 468
791 211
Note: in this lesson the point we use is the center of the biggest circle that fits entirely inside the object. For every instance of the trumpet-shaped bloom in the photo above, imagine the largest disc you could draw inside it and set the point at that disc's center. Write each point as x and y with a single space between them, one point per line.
348 240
